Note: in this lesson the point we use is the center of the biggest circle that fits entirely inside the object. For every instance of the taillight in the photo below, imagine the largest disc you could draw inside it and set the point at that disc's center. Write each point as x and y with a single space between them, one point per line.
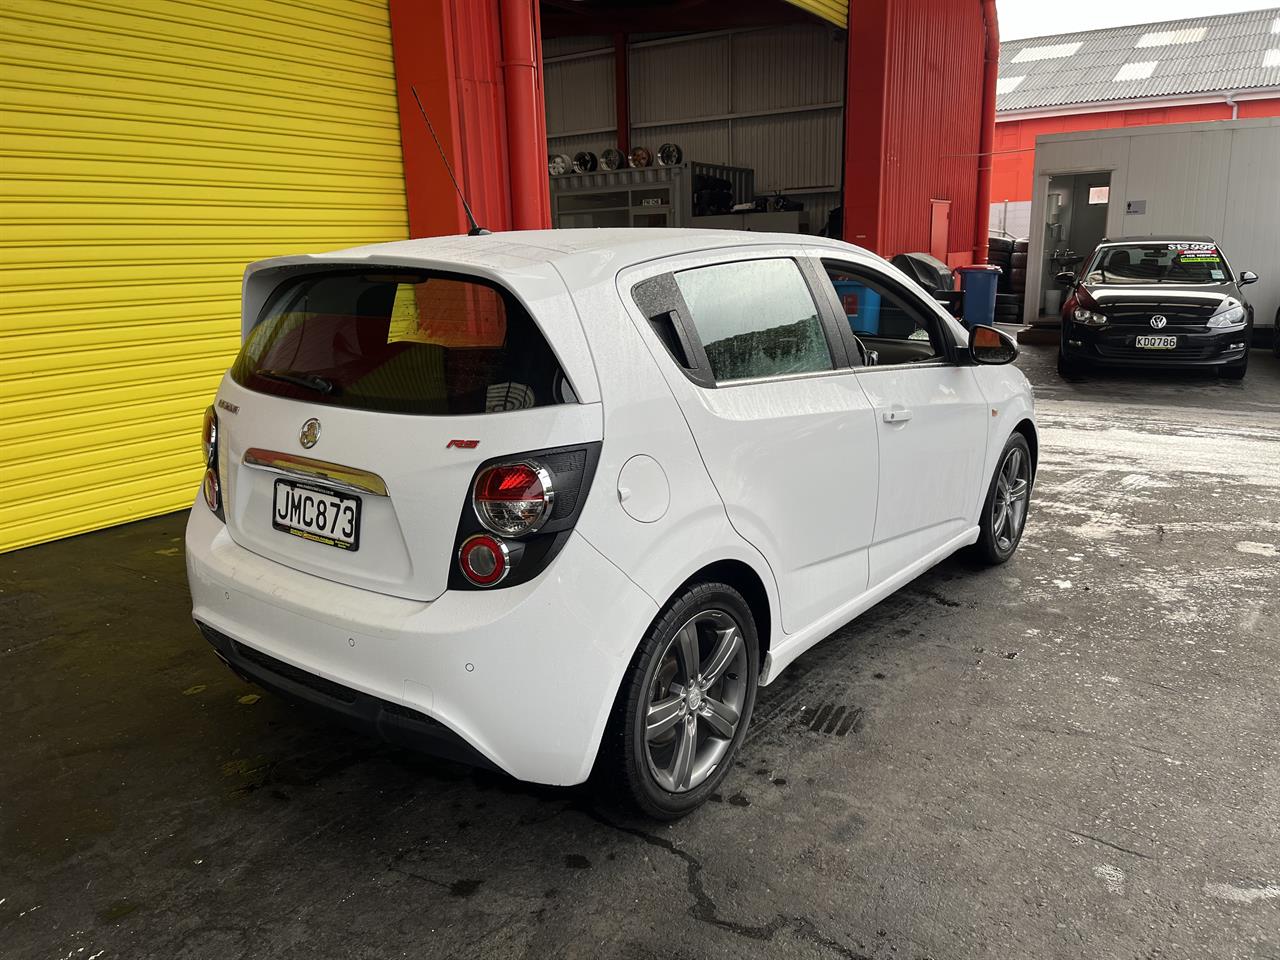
520 512
209 436
513 499
484 560
212 495
210 486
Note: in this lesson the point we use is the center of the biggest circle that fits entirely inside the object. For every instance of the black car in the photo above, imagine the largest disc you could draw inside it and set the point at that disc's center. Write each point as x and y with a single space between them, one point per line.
1156 301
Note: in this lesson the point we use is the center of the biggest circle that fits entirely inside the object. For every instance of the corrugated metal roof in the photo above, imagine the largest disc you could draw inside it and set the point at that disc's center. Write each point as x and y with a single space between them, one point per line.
1233 51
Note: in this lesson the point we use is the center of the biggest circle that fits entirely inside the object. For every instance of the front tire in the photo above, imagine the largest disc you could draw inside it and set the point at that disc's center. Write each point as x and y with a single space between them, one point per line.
1004 512
1234 371
686 701
1069 368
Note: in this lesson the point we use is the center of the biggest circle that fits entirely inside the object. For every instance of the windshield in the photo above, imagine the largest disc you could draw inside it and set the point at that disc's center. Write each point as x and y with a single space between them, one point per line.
1144 263
403 342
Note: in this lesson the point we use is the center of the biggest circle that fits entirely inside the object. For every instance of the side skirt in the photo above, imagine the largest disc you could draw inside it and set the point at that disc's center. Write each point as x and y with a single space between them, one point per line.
781 656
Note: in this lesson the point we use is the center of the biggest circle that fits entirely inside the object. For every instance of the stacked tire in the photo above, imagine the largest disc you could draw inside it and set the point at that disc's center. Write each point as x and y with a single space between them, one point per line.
1000 254
1010 256
1018 267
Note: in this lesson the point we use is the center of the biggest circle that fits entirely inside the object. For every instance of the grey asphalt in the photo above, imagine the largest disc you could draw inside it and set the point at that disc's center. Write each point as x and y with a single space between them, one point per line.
1075 755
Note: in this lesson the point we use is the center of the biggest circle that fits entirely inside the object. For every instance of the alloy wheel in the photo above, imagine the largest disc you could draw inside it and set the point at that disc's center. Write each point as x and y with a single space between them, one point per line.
695 700
1009 506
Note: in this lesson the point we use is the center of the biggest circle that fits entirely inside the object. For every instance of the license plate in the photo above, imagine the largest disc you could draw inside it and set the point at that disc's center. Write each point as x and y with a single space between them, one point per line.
1155 343
316 514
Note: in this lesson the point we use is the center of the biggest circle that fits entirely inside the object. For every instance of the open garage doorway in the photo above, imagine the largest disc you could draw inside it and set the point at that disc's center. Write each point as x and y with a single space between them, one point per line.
1075 221
694 115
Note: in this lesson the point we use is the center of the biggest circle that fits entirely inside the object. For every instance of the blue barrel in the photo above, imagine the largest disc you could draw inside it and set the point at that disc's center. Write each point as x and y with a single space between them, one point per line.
861 305
978 291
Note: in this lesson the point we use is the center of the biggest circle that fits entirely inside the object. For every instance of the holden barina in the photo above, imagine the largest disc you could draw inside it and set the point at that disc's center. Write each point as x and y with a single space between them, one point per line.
1156 302
556 502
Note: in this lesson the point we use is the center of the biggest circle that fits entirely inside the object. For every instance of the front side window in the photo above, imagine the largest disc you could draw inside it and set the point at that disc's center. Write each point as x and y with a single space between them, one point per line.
755 318
402 342
1142 263
884 318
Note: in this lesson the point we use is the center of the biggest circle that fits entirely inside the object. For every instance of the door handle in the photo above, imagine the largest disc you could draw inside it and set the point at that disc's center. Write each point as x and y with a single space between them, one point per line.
896 416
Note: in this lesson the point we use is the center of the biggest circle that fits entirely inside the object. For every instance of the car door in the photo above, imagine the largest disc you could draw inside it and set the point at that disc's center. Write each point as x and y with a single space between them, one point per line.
930 415
785 430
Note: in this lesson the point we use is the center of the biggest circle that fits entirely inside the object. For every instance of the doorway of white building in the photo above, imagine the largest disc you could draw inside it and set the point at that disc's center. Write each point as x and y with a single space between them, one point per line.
1075 221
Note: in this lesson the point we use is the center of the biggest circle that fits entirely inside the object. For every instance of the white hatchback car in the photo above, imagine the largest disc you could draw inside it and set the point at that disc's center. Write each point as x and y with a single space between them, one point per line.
533 498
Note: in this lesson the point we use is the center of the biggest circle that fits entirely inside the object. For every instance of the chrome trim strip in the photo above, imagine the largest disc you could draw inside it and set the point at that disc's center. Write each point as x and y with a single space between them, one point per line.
335 474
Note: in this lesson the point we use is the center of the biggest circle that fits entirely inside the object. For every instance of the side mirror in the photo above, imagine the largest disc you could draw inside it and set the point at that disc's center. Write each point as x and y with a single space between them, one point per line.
1066 278
989 345
1248 277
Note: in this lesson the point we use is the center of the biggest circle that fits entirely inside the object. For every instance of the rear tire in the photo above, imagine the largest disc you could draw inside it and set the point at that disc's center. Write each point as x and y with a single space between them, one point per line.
1004 512
677 724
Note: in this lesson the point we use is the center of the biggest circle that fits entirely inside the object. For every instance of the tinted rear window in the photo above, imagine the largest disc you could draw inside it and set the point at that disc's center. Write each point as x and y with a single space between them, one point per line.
403 342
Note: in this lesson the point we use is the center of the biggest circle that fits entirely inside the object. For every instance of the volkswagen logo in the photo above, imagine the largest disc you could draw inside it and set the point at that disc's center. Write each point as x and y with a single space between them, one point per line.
310 432
1157 323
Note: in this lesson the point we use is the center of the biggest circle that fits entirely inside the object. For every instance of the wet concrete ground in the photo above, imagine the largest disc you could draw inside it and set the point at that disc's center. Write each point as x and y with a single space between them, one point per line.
1076 755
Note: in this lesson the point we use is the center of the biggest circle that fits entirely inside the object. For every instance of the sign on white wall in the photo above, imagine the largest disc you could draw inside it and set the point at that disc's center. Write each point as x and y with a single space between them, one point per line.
1135 208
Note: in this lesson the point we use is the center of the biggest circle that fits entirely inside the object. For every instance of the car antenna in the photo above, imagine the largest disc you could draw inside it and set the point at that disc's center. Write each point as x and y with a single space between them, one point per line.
476 230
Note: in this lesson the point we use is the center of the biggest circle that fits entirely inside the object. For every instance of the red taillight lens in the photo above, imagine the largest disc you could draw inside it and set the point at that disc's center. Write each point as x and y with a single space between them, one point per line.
484 560
209 436
212 494
512 499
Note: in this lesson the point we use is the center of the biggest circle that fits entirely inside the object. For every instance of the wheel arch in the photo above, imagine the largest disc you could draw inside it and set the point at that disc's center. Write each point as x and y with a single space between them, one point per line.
735 573
743 578
1028 431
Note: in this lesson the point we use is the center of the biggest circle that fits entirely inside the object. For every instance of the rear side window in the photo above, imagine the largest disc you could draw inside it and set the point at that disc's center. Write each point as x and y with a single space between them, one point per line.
402 342
755 318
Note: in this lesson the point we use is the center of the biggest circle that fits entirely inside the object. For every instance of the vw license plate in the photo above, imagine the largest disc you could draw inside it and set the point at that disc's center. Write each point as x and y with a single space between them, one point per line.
313 513
1155 343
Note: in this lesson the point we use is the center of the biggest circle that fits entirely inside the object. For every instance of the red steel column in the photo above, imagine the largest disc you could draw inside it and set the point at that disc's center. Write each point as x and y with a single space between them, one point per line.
866 95
990 73
526 115
422 45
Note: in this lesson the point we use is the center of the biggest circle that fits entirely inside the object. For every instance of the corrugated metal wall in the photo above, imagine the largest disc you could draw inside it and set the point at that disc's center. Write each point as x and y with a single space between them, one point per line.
147 153
933 111
769 99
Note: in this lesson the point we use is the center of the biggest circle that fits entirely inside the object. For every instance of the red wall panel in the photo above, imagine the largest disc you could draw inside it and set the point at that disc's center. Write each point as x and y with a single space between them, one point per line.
452 52
913 122
1014 166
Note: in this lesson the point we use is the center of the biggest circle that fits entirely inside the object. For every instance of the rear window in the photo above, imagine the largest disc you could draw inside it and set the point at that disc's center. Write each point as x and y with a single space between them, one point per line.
403 342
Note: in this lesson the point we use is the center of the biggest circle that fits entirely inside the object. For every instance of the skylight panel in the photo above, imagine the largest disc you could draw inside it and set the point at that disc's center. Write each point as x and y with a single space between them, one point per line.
1168 38
1008 84
1269 59
1275 25
1050 52
1135 71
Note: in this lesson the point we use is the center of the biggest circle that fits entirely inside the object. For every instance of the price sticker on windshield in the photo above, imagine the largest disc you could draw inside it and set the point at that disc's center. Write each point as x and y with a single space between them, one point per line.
1196 252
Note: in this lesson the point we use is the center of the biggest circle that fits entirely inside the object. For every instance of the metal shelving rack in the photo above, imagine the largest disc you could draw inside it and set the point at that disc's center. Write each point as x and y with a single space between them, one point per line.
639 196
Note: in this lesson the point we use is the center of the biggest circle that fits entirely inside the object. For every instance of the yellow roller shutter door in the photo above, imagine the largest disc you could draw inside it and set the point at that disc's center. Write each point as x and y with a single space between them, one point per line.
148 151
833 11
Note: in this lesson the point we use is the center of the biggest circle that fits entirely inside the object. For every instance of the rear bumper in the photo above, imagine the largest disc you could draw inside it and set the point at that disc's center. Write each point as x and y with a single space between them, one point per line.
521 679
368 714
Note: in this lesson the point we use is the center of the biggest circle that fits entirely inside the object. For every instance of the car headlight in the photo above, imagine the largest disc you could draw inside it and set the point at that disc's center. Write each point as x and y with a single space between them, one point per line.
1232 316
1089 318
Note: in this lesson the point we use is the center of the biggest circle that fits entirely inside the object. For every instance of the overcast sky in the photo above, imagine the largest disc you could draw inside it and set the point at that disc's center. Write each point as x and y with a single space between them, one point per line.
1038 18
